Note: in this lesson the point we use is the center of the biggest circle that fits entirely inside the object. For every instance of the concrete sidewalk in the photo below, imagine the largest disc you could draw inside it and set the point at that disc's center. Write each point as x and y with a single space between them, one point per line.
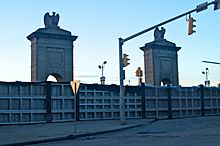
39 133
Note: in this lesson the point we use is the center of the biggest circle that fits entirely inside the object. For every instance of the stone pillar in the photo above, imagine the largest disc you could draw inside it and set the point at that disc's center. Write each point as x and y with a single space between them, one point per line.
161 61
51 51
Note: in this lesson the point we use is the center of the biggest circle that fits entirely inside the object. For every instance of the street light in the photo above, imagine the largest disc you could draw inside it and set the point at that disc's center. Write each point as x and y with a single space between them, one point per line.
207 82
102 78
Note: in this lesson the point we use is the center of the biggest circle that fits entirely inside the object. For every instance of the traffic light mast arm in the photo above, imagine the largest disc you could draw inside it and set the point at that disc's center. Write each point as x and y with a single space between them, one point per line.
197 9
211 62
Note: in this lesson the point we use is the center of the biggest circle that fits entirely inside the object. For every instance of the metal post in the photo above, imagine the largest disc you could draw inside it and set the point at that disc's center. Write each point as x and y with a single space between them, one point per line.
169 101
102 78
102 69
206 74
75 108
121 101
202 100
143 100
48 103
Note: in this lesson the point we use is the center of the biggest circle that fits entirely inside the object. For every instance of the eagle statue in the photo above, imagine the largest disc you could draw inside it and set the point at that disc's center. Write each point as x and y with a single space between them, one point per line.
159 34
51 21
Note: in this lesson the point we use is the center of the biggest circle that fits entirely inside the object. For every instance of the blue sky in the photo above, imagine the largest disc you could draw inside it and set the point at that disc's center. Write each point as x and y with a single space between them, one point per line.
98 25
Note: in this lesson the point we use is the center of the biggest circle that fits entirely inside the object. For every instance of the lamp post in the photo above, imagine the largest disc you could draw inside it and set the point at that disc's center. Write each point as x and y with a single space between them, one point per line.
102 78
207 82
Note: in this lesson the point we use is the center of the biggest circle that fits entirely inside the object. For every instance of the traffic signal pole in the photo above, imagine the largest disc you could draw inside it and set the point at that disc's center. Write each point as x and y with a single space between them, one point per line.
199 8
121 100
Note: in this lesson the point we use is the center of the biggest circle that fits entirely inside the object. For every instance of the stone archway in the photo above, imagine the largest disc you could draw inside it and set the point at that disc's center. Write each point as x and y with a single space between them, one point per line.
55 78
166 81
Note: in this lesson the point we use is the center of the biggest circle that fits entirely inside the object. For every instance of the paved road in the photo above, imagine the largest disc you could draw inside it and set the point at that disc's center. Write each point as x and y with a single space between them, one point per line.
197 131
39 133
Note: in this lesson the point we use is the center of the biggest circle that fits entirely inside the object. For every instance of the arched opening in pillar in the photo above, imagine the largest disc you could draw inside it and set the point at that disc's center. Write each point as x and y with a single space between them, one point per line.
55 78
165 82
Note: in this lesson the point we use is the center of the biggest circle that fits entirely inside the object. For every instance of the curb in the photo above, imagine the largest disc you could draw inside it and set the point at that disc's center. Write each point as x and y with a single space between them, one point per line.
73 136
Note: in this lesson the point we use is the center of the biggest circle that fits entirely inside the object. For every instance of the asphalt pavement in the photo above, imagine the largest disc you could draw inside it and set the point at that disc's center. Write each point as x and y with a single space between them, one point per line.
191 131
49 132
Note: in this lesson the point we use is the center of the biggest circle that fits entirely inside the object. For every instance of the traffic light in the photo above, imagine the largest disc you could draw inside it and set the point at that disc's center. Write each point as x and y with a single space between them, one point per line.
125 60
139 72
191 25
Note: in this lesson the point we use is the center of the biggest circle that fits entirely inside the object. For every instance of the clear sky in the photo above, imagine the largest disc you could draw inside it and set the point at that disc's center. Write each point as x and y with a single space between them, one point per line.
98 25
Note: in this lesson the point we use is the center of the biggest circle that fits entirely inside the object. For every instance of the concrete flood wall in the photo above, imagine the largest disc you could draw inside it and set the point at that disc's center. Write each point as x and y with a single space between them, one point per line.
174 102
39 102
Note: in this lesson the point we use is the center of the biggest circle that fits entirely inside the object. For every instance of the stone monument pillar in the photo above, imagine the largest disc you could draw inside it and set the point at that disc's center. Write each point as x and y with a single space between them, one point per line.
51 51
161 60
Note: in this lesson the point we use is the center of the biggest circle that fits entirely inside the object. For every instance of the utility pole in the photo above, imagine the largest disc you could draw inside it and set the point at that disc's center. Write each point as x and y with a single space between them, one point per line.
198 9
